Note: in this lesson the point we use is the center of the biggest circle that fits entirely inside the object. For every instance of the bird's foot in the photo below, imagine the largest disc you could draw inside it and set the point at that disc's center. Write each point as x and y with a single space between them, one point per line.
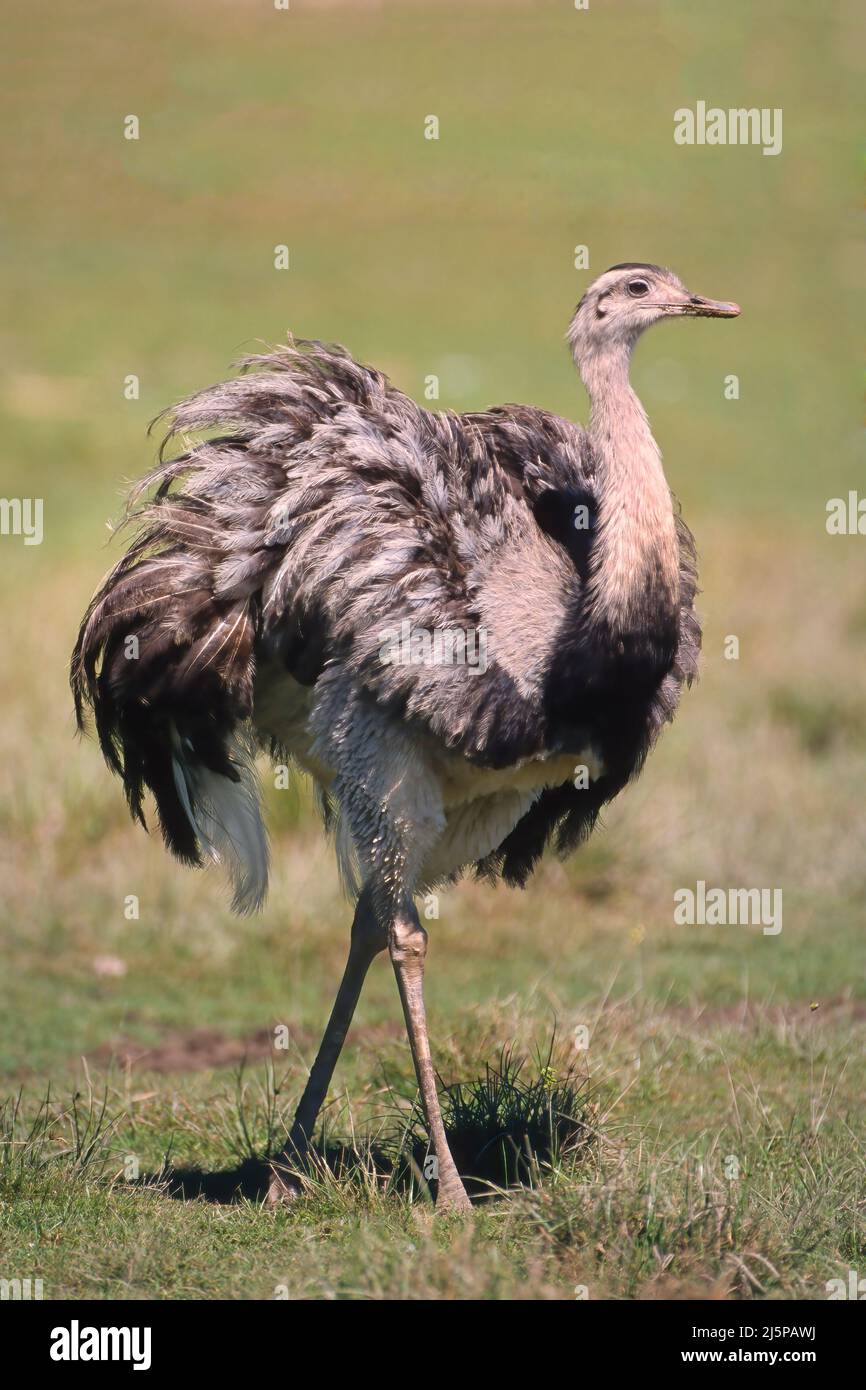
452 1196
284 1186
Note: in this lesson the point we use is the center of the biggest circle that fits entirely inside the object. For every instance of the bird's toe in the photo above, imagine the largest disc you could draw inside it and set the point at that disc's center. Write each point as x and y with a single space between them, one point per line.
284 1187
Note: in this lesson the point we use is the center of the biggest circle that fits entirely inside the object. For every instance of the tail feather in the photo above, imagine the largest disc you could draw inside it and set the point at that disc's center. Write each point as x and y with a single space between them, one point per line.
166 665
165 658
226 817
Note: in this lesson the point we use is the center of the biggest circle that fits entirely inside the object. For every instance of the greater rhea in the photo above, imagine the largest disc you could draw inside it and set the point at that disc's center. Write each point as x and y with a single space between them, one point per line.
467 629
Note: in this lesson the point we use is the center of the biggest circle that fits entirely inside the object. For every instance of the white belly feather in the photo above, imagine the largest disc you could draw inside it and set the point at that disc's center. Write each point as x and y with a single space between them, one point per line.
479 807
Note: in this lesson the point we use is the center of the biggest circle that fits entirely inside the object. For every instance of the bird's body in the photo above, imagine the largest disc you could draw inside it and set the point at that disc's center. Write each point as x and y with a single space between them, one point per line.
333 517
468 630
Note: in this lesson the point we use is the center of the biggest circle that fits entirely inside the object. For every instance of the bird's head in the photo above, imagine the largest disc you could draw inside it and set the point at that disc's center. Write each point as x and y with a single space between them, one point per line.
626 299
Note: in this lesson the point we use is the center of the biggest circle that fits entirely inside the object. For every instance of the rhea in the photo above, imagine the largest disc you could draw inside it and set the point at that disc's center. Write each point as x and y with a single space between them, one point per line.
314 516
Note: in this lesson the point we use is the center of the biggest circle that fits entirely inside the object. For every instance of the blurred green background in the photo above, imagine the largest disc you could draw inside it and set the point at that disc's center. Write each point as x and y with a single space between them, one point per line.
453 257
305 127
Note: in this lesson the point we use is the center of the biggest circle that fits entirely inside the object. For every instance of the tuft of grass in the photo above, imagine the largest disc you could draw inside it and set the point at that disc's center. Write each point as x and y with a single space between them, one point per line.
250 1120
75 1136
506 1128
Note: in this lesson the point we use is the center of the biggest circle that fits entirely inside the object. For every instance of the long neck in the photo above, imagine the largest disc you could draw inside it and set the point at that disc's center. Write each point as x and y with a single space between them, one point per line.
633 584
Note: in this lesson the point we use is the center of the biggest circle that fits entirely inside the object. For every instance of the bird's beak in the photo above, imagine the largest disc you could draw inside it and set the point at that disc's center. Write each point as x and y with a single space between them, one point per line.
710 308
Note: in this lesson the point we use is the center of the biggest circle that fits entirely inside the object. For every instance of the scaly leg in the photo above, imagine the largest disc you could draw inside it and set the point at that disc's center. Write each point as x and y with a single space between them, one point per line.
368 939
407 944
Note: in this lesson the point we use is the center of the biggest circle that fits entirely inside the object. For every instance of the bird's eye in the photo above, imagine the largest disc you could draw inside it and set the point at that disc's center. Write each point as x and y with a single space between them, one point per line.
637 288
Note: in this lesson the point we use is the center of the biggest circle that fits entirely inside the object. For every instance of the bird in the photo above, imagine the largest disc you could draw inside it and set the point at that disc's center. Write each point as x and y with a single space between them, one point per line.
467 629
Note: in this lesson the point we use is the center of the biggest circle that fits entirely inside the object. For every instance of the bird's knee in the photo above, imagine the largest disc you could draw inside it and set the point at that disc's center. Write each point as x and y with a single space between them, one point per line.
407 941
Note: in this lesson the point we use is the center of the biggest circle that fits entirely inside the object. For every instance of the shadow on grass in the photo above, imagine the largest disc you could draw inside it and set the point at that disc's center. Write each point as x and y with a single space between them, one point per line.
504 1131
249 1181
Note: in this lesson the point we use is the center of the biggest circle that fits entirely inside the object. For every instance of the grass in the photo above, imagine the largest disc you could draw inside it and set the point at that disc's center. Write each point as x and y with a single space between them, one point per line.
697 1129
762 1199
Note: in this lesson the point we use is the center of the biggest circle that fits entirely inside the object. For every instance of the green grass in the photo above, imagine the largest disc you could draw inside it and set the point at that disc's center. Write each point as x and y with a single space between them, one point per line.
672 1190
706 1056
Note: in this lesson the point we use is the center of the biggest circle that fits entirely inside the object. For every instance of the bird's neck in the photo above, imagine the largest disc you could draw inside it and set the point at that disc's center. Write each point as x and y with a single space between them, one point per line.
633 583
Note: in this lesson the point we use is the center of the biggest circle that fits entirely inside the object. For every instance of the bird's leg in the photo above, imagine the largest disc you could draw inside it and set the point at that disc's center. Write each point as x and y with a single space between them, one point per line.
368 939
407 944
